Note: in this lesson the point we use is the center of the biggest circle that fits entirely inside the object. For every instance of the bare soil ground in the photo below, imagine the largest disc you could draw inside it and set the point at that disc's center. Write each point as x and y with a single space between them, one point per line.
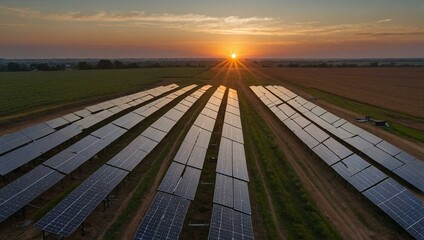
398 89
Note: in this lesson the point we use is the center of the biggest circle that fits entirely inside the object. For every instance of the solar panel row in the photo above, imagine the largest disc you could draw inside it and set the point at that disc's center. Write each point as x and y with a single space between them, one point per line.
43 137
182 178
231 211
82 201
363 176
64 162
381 151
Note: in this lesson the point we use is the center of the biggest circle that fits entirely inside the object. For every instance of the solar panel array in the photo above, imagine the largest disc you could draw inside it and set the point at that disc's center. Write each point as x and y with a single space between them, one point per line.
387 155
75 208
180 182
19 148
231 210
360 174
64 163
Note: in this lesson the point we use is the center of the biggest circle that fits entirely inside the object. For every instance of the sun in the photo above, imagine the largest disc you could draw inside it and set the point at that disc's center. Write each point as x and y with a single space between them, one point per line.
233 56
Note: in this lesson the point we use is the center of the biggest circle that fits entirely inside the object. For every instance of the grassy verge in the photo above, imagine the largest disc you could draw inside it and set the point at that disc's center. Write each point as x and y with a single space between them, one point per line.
297 213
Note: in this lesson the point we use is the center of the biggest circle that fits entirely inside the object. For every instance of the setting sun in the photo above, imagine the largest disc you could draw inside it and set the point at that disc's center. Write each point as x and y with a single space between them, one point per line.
233 56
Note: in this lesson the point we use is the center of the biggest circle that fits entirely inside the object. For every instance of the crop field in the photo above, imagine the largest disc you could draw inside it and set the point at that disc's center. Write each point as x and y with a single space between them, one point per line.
245 160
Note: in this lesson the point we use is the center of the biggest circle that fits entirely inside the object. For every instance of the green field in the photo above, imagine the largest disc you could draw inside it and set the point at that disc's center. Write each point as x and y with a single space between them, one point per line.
24 94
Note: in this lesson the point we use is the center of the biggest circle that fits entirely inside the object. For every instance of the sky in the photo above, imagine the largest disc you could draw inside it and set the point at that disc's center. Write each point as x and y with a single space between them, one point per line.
214 28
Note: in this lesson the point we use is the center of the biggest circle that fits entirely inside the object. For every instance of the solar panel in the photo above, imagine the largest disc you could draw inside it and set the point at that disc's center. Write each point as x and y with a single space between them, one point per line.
229 224
171 178
215 100
154 134
352 128
339 122
301 121
57 122
197 157
13 140
232 133
164 124
350 166
316 133
214 107
210 113
64 158
389 148
281 115
94 108
306 138
205 122
359 143
233 103
192 134
174 114
232 110
65 218
71 117
23 190
326 154
88 121
127 159
329 117
187 103
412 172
109 132
187 187
225 157
233 95
288 111
203 139
367 178
12 160
294 104
340 133
370 137
337 148
165 218
309 105
405 157
83 113
37 131
318 111
399 203
184 152
241 197
223 193
292 125
129 120
239 162
382 158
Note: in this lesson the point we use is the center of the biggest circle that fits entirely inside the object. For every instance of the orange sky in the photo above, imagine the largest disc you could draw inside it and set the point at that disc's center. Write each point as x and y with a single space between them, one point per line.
291 29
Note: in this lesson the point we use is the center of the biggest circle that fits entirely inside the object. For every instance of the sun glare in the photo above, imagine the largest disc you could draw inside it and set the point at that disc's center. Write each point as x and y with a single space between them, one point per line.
233 56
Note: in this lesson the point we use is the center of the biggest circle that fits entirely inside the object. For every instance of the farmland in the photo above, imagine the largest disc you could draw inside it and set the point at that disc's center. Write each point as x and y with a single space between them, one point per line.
293 195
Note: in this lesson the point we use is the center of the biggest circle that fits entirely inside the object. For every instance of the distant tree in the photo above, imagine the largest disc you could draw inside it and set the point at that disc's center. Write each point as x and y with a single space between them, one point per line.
84 66
119 64
14 67
105 64
374 64
133 65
